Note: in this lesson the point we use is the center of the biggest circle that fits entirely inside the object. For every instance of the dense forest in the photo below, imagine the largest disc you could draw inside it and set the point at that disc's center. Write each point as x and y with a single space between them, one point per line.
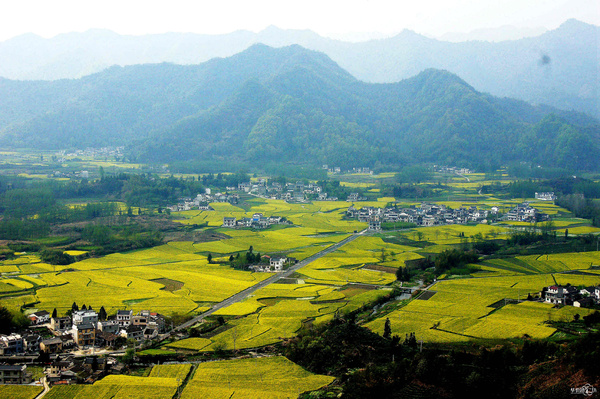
119 212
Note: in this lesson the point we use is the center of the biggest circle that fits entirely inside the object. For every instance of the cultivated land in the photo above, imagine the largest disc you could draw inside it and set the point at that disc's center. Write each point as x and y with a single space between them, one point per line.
176 278
273 377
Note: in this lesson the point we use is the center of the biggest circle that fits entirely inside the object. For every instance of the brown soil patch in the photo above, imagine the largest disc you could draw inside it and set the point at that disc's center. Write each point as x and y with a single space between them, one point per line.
379 268
169 285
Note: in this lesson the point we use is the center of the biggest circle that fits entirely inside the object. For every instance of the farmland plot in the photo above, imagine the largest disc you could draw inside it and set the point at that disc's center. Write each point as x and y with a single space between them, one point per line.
273 377
20 391
462 310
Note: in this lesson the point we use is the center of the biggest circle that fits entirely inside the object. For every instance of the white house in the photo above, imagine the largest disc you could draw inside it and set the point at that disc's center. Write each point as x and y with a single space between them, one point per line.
277 263
229 222
124 317
85 316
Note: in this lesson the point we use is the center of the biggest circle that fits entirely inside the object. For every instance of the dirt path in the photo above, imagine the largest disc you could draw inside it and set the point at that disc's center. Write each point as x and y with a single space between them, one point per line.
46 388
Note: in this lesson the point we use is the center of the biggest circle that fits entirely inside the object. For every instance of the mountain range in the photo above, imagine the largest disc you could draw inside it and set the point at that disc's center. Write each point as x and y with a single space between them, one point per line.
290 104
559 67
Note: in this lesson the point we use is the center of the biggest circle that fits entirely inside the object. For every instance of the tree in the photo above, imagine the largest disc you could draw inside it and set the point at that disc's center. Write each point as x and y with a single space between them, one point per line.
387 329
83 307
102 314
383 255
411 340
231 258
566 233
6 319
129 356
209 258
74 307
54 313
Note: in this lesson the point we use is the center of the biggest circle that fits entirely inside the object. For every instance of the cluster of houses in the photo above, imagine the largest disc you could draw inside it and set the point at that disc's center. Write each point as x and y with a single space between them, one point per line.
337 169
549 196
525 213
451 169
84 329
433 214
424 215
202 201
63 369
96 153
84 174
291 192
257 221
568 295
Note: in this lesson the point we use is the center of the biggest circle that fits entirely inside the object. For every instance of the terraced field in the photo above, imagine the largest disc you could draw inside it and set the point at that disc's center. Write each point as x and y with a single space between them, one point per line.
466 309
268 378
124 280
176 278
278 311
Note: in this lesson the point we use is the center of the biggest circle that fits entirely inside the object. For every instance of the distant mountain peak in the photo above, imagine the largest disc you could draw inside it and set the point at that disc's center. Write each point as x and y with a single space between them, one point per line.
574 26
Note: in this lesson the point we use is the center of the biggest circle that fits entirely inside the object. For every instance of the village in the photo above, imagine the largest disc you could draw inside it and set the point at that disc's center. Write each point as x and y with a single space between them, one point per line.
433 215
68 345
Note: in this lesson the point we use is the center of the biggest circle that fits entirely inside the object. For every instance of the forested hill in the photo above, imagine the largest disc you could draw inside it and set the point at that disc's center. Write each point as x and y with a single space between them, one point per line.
559 67
290 104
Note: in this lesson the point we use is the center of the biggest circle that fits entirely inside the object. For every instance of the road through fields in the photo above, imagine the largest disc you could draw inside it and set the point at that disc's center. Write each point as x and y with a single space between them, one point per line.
273 279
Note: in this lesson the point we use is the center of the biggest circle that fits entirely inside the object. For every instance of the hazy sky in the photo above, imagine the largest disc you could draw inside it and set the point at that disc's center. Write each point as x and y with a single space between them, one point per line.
48 18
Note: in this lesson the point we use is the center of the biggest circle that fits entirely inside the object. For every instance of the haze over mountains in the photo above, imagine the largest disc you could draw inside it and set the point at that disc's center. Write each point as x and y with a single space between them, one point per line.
558 68
290 104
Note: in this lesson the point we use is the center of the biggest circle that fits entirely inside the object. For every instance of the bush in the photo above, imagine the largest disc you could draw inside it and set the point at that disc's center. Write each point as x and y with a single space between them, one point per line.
56 257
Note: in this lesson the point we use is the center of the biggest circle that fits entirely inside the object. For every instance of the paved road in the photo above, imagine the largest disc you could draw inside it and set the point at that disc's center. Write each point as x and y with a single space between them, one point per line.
273 279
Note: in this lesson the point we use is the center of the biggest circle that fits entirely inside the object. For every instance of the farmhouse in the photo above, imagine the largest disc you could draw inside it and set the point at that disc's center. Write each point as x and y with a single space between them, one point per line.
53 345
60 324
84 334
525 213
276 264
375 223
124 317
229 222
85 316
14 374
11 344
40 317
108 326
559 295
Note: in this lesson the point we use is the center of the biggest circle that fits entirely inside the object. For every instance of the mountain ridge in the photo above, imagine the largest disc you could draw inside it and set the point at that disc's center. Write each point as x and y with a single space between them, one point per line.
558 67
265 102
